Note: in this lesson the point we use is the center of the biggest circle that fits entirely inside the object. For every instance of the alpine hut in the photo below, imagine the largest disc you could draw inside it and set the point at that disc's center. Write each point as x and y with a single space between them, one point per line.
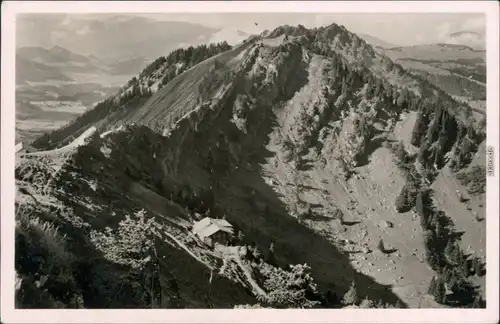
211 231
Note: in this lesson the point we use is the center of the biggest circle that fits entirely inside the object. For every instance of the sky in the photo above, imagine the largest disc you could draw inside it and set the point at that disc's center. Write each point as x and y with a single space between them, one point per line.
397 28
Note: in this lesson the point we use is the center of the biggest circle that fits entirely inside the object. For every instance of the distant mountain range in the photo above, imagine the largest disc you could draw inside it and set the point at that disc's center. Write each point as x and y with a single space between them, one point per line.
31 70
58 63
55 54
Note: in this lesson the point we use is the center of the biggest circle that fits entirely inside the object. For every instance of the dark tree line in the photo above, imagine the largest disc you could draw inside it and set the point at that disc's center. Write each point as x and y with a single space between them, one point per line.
439 128
451 286
154 66
189 57
407 197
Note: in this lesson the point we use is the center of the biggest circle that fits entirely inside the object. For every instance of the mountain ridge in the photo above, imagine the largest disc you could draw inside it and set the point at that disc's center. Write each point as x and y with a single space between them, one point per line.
365 56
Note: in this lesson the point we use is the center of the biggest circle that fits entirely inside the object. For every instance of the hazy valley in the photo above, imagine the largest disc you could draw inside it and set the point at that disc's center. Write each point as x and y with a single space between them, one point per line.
72 71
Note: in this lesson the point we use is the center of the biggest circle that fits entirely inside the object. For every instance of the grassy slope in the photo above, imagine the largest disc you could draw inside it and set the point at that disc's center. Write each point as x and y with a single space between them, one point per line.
180 94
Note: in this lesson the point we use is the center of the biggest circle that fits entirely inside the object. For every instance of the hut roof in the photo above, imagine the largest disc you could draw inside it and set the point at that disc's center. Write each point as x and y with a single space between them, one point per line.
209 226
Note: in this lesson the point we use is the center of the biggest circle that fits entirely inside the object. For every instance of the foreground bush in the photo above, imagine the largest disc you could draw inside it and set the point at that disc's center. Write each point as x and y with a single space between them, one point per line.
44 267
289 289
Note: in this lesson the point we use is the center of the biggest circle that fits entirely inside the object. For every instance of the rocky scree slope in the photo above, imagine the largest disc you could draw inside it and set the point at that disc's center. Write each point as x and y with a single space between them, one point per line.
247 134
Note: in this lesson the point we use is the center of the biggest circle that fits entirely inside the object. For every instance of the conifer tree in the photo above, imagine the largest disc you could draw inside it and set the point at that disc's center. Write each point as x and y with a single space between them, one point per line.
401 202
432 286
454 282
401 153
473 264
440 291
448 250
418 130
351 296
453 278
424 222
429 240
456 256
430 220
419 205
256 253
432 260
380 246
479 268
478 302
344 86
466 267
271 257
366 303
240 236
447 273
438 229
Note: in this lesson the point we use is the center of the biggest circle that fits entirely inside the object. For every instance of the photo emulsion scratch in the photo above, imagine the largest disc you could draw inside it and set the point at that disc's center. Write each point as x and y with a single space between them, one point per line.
251 160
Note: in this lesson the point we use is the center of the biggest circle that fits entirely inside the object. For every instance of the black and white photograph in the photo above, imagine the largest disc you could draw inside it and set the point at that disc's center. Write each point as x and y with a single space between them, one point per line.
190 160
